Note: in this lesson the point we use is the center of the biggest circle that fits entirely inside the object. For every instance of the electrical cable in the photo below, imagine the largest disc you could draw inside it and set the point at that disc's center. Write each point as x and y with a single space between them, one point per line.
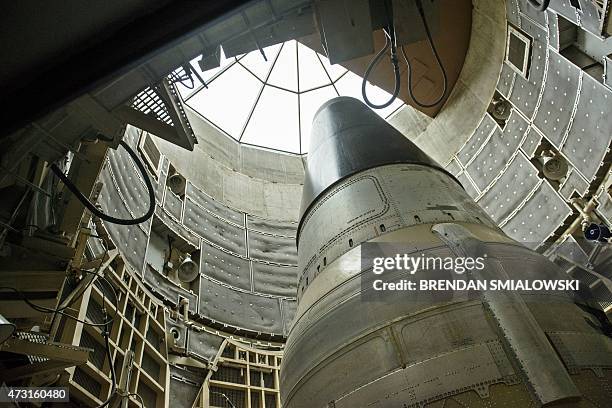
94 210
114 381
390 43
540 6
105 332
224 396
193 71
111 363
105 324
43 309
60 309
435 52
177 78
110 285
142 404
396 73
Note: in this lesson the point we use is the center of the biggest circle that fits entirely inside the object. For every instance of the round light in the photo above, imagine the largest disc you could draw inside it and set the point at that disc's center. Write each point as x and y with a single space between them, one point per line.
188 270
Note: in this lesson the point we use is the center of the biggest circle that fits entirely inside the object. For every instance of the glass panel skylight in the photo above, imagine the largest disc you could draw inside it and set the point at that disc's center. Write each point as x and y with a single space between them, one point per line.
335 71
274 123
272 103
285 72
255 62
207 75
311 71
228 100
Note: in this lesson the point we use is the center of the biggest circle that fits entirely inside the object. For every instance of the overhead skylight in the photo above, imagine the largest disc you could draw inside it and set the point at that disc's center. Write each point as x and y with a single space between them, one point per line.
272 103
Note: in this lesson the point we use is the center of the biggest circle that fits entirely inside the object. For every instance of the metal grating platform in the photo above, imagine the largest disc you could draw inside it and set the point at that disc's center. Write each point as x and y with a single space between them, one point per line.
149 102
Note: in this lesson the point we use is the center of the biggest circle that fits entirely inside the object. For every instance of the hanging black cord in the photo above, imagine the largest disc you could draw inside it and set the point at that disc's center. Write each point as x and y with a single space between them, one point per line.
43 309
540 6
60 310
182 78
91 282
390 42
105 324
94 210
435 52
112 372
111 363
142 404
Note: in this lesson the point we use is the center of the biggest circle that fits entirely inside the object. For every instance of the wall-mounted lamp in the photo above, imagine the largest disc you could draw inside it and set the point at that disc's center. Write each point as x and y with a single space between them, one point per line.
176 183
187 270
180 265
554 166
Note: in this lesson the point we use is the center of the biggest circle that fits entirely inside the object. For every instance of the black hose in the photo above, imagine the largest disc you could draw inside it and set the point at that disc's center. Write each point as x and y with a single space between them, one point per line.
390 42
142 404
396 71
539 6
111 363
435 52
95 211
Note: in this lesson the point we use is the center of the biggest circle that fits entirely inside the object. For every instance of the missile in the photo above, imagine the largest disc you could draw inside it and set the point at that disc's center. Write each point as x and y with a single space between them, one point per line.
369 190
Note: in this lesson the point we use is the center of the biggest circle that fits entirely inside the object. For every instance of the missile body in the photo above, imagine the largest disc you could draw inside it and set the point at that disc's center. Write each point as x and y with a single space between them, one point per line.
367 184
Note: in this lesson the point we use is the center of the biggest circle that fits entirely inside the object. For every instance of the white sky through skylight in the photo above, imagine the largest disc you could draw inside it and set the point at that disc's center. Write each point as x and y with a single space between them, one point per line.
272 103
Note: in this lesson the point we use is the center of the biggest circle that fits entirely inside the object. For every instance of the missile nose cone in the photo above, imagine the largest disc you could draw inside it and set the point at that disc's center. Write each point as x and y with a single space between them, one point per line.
348 137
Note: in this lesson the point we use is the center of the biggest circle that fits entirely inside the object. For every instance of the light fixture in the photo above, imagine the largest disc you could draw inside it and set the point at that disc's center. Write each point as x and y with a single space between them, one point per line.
501 109
554 166
176 183
187 270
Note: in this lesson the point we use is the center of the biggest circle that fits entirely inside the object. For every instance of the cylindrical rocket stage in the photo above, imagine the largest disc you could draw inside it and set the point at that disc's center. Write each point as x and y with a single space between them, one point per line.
366 183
